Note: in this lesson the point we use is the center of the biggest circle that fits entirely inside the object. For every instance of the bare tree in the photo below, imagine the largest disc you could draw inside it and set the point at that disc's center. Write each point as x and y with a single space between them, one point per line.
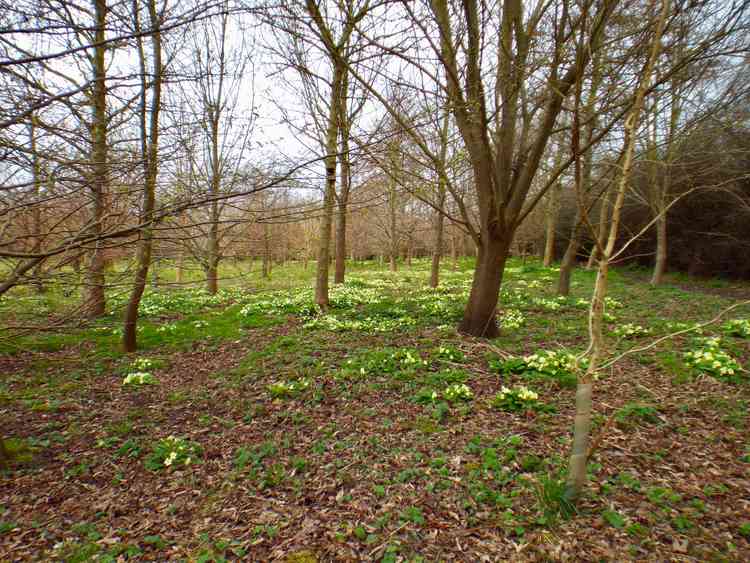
149 140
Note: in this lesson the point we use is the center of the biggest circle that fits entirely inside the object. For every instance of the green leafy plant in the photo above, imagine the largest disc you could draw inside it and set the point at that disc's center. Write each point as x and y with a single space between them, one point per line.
173 452
450 354
558 365
512 319
281 389
139 378
413 514
637 412
709 358
614 519
382 362
518 399
552 499
630 330
458 392
737 327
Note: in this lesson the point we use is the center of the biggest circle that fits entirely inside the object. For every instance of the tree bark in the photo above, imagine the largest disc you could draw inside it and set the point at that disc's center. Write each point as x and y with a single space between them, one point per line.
212 271
582 429
437 250
326 221
95 300
180 266
340 266
601 229
569 259
549 240
150 155
480 314
454 251
266 262
660 265
37 210
346 179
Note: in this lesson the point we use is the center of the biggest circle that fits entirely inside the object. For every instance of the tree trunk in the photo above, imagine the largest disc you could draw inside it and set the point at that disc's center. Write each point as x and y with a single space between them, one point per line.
392 227
569 259
326 224
480 313
266 262
660 266
212 274
346 179
95 300
454 251
326 221
549 241
180 266
150 155
437 250
340 269
582 429
601 230
37 210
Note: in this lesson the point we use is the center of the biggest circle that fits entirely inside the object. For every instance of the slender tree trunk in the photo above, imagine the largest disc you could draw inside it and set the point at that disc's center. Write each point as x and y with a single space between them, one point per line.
601 230
340 268
437 250
95 300
37 211
569 259
549 241
582 429
150 155
266 261
454 251
660 266
346 179
326 222
553 209
392 207
212 273
180 266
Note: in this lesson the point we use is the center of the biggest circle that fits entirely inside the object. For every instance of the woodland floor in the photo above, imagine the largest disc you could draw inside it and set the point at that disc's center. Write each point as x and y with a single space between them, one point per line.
355 464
